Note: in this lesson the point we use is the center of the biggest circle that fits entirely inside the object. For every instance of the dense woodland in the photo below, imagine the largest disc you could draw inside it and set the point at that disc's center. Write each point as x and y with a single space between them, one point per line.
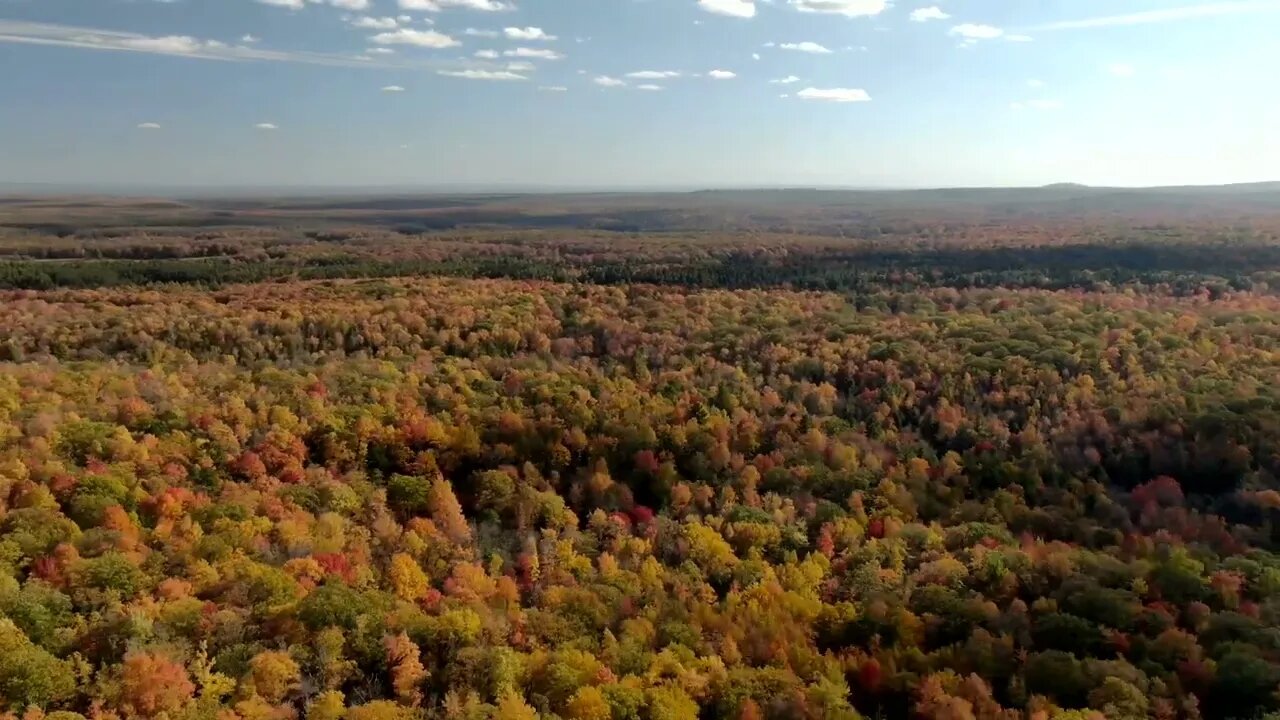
997 470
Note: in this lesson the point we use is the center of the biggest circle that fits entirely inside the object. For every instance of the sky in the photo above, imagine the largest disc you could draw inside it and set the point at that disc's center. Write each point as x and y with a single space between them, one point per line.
616 94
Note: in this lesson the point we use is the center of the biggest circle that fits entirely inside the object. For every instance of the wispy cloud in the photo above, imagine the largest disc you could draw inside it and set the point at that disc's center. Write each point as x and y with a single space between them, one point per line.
971 33
838 95
722 75
649 86
806 47
974 31
438 5
299 4
785 81
393 89
526 33
848 8
267 126
474 32
1187 12
925 14
536 53
483 74
653 74
732 8
374 23
418 38
553 88
172 45
606 81
148 126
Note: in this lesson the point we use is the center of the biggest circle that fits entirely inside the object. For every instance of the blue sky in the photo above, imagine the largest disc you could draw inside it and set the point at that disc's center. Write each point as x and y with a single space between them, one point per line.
631 93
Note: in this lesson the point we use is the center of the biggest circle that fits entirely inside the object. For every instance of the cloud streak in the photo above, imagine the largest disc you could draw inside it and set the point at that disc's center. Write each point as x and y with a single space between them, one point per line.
847 8
29 33
1188 12
837 95
806 47
500 75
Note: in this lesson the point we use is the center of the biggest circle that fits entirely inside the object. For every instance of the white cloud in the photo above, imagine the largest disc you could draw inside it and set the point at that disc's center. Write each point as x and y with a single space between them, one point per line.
553 88
380 51
374 23
653 74
540 54
473 32
838 95
722 75
526 33
785 81
649 86
1191 12
419 38
521 66
925 14
148 126
732 8
408 19
393 89
249 39
606 81
1123 70
848 8
438 5
482 74
755 56
482 5
299 4
784 96
267 126
971 31
806 47
487 54
167 45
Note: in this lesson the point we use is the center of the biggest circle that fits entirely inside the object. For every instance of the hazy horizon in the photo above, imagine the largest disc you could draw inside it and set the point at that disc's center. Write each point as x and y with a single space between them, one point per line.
177 191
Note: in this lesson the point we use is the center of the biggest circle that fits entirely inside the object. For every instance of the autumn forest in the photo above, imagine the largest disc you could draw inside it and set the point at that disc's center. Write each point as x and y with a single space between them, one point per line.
719 457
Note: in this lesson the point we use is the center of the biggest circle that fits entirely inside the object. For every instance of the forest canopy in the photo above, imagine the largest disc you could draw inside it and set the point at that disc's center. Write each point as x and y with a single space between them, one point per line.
676 477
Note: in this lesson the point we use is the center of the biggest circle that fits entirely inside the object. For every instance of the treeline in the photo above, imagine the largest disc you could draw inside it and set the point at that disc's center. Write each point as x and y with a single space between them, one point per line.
1179 269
